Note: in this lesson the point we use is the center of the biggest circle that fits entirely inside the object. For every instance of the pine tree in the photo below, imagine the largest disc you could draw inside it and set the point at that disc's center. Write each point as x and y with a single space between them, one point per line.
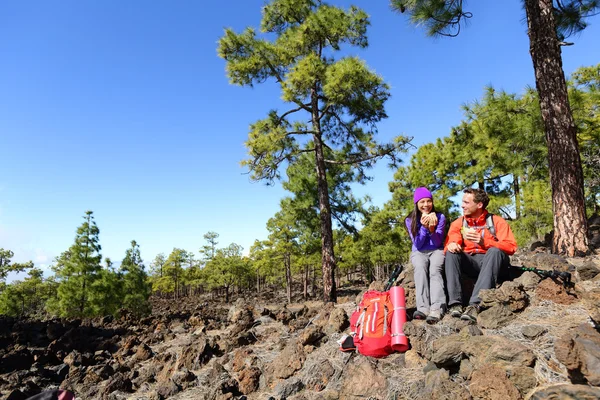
263 263
157 265
23 298
209 250
136 289
6 264
173 272
79 268
334 104
283 234
106 296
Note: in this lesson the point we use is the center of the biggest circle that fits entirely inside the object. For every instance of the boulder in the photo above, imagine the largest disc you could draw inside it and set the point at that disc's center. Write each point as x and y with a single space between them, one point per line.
167 390
439 386
290 360
318 375
412 359
511 294
18 359
143 353
495 317
529 280
490 382
588 270
248 380
480 350
287 388
550 262
591 301
533 331
243 358
565 392
338 321
311 335
547 289
117 382
522 377
222 385
362 380
579 351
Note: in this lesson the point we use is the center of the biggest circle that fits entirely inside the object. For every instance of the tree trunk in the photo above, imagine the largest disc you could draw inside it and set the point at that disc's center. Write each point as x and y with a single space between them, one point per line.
314 281
305 283
564 162
82 301
517 190
288 276
327 256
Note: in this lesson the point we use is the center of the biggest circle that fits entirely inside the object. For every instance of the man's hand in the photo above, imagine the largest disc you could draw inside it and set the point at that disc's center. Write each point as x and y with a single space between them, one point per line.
473 235
454 248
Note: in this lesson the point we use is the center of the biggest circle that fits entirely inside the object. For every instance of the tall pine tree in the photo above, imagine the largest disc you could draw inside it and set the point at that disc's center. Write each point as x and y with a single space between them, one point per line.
79 270
333 104
136 289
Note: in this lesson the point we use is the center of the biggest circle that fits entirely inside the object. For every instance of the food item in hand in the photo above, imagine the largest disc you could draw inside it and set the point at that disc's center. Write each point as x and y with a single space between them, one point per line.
464 231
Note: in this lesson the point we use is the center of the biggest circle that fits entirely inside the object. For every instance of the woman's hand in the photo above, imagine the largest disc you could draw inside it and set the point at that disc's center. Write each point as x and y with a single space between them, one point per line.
433 221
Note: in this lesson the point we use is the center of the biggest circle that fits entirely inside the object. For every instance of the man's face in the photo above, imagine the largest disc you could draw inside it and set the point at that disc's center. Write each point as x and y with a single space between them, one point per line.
470 208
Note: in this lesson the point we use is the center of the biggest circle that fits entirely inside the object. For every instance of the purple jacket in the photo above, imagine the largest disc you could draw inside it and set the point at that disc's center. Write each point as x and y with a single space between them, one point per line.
425 240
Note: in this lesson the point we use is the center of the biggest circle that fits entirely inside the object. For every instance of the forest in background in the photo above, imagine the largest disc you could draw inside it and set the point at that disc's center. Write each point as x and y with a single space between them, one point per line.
499 146
534 153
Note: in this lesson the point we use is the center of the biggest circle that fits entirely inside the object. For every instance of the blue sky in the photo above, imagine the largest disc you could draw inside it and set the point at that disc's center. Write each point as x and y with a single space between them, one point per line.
123 108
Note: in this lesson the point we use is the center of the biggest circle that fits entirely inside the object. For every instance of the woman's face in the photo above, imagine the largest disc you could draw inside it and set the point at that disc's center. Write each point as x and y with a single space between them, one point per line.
425 205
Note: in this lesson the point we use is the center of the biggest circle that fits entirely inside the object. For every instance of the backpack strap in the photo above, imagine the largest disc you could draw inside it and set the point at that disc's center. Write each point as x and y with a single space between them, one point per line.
489 224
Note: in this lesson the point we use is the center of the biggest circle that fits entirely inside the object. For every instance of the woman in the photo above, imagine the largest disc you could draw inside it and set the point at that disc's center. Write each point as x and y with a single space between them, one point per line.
425 227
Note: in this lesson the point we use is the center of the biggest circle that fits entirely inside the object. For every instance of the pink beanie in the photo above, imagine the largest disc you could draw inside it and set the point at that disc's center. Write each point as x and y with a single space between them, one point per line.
422 193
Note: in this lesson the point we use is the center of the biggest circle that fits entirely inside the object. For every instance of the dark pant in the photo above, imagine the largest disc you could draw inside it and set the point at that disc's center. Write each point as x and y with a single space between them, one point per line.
485 267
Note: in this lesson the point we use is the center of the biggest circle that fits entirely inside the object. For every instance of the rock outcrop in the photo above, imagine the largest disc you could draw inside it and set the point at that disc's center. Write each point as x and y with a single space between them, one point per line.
535 339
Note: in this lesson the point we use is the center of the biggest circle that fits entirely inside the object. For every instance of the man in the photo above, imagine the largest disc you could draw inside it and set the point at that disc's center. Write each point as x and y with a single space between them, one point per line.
474 248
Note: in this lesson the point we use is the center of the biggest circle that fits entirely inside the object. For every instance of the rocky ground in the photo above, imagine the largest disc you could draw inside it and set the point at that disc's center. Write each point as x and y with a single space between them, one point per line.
535 339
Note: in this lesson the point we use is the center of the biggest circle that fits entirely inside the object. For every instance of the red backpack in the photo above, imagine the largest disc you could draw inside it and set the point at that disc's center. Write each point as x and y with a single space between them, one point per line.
371 324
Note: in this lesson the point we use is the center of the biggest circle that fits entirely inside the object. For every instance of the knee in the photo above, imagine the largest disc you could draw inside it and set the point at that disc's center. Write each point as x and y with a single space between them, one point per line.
495 252
419 264
437 261
452 258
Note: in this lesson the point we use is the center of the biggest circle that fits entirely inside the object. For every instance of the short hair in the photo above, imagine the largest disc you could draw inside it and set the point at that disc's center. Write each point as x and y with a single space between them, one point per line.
479 196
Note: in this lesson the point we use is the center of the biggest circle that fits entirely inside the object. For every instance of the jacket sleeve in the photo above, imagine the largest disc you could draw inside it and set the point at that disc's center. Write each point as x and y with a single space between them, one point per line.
506 240
454 235
422 233
437 237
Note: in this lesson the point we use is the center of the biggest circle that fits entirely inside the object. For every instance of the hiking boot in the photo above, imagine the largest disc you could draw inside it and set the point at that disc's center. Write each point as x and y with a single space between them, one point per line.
419 315
456 310
434 317
470 313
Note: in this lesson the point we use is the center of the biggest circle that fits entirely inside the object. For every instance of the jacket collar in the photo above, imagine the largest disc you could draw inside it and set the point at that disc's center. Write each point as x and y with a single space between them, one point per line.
480 221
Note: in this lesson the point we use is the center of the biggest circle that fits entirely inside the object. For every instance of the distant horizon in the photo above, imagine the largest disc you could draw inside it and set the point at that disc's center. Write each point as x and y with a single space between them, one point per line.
125 109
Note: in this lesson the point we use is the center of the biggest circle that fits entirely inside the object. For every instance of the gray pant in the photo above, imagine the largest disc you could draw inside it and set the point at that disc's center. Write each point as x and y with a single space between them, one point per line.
429 281
485 267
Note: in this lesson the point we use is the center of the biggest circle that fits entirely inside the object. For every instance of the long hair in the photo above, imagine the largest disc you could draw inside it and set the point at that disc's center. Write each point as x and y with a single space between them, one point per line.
415 217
